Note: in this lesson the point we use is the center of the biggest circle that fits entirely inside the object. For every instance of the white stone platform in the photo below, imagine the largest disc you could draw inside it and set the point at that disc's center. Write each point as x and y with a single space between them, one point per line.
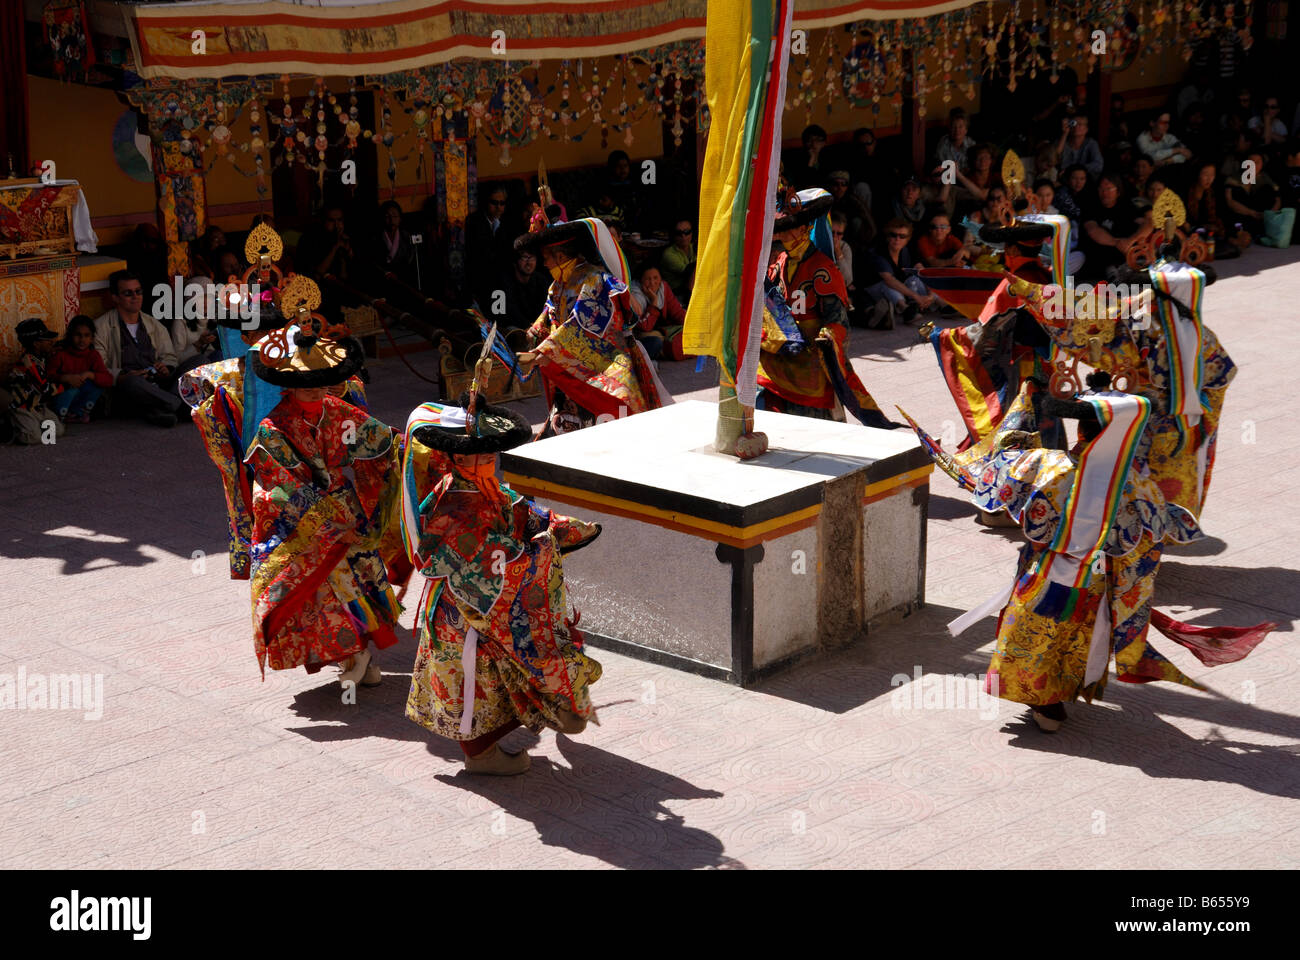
734 569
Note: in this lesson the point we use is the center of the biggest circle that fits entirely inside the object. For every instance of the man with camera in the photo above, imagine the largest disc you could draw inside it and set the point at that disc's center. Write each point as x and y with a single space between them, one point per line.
139 354
1076 147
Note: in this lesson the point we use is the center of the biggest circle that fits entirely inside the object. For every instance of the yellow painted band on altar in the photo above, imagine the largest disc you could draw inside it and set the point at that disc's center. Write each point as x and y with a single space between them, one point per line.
908 479
696 526
709 529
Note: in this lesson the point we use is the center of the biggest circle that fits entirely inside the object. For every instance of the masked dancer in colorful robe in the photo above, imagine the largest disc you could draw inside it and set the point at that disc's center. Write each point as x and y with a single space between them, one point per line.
497 647
1096 523
591 364
320 591
803 369
227 405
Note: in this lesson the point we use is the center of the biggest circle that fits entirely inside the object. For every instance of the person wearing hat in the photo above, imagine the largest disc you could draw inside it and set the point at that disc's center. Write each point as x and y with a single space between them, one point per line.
806 372
1096 520
215 395
31 390
860 228
582 343
321 594
498 649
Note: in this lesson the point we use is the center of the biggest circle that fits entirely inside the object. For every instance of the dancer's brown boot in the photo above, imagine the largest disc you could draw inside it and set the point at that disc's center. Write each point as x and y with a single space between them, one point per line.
495 762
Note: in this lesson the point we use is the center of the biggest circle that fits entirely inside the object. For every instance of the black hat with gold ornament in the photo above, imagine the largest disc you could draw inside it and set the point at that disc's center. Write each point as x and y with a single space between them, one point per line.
320 354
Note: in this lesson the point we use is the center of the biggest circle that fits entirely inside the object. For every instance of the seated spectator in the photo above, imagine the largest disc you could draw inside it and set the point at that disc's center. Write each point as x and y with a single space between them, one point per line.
1268 125
898 293
1044 196
1203 204
79 368
604 208
908 205
804 167
392 251
1075 147
524 289
1047 163
679 258
996 206
1110 225
860 227
138 354
194 339
1143 167
1161 145
1071 198
1045 202
974 184
954 145
326 249
659 314
844 261
939 247
32 392
1249 198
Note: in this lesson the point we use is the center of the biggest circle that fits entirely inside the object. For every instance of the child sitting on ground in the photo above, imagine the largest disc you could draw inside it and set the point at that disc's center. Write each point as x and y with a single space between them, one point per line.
80 369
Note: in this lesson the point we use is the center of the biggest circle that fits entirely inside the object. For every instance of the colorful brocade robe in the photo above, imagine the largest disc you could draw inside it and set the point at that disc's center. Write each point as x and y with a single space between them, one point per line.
215 394
819 373
496 583
320 591
583 350
1055 643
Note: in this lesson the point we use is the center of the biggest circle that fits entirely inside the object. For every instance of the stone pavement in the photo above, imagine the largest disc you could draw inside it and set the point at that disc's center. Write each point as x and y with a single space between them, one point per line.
197 763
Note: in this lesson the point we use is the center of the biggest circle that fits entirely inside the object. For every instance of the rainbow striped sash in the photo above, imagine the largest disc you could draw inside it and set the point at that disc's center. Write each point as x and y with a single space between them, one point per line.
1059 243
1183 338
1067 566
426 414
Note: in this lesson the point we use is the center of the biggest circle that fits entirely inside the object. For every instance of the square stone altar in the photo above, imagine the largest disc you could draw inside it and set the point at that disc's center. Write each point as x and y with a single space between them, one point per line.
734 569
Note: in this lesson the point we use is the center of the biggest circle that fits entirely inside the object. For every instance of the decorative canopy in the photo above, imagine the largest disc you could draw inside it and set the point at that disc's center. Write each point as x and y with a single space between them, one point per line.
334 39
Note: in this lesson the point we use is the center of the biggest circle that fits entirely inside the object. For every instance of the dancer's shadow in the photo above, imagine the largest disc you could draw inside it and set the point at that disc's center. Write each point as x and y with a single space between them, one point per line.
615 790
1159 749
378 712
1243 595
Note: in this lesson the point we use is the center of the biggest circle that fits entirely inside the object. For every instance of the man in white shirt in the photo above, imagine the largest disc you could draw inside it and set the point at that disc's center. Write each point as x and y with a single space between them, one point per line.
138 352
1161 145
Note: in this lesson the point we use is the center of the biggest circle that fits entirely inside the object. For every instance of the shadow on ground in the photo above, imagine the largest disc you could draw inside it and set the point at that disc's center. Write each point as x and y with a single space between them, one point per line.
1135 736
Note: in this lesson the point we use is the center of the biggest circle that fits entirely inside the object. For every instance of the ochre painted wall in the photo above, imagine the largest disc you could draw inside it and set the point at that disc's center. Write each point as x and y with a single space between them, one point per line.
73 126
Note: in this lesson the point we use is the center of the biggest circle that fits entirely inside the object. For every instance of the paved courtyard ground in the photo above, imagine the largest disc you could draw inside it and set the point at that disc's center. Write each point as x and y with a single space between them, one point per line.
197 763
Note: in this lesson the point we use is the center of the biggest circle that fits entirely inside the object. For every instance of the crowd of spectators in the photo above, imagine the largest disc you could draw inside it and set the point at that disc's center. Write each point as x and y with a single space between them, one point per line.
1223 147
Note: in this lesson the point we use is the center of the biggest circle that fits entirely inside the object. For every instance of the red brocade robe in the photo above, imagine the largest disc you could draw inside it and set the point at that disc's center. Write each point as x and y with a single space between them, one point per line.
805 378
320 591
